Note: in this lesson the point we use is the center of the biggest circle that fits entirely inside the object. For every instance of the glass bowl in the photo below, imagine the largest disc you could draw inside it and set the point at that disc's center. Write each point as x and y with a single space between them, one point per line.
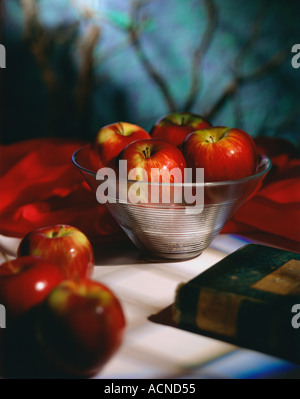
177 230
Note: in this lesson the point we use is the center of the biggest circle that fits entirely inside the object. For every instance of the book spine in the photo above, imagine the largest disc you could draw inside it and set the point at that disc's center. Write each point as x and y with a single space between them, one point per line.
238 319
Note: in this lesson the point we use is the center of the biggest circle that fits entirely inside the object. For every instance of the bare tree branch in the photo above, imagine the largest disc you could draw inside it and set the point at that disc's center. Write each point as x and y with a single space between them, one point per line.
260 72
273 63
239 79
85 75
228 93
157 78
39 42
200 52
255 33
269 66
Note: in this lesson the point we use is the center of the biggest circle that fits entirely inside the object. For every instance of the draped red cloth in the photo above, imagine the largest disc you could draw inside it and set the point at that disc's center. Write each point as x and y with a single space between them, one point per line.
272 215
39 186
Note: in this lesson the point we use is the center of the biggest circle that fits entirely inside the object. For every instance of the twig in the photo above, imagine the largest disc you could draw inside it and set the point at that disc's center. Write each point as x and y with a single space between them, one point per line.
85 75
255 32
228 92
39 42
269 66
257 73
273 63
157 78
200 52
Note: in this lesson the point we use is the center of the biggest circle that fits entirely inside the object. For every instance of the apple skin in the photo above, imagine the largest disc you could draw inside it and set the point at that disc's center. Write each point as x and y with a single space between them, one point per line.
153 153
25 282
175 127
111 139
80 326
224 153
63 245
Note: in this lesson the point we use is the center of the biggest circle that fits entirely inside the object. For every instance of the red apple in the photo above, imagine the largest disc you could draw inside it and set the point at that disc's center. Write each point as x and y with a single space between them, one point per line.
155 161
25 282
152 156
63 245
80 326
111 139
176 126
224 153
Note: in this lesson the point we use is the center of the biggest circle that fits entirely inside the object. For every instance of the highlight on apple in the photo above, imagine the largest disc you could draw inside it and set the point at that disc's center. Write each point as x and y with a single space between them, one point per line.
160 186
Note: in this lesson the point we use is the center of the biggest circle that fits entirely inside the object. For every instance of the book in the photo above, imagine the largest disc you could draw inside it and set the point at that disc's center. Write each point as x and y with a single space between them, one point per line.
251 298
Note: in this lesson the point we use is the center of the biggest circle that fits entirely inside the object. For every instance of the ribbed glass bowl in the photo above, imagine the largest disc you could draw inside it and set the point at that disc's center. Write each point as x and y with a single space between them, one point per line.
176 231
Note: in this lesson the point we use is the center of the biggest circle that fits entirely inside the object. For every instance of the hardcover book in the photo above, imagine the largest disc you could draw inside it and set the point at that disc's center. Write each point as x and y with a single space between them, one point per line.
249 298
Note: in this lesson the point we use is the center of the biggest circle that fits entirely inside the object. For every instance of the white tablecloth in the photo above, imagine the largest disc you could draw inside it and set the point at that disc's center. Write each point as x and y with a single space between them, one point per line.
153 350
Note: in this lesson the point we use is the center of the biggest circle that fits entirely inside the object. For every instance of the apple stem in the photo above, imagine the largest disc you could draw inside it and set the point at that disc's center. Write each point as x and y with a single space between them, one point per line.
121 130
182 121
211 139
57 233
147 152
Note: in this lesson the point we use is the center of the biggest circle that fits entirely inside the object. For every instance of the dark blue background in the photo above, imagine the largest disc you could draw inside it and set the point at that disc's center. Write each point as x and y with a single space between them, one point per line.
71 70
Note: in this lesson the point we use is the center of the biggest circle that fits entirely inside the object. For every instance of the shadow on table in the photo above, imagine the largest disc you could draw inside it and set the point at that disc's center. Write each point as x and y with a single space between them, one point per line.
123 253
164 317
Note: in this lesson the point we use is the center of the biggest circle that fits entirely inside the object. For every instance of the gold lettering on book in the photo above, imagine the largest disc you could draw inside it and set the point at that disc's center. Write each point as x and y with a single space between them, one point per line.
217 311
284 280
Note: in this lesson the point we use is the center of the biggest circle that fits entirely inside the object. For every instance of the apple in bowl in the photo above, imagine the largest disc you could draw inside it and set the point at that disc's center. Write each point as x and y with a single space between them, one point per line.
225 153
111 139
151 161
175 127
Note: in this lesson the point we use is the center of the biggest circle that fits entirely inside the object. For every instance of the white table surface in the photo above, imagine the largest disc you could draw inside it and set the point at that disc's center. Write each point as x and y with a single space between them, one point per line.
152 350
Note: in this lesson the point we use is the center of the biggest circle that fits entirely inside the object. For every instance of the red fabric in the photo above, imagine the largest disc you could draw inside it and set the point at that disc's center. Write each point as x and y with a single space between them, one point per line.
40 186
273 213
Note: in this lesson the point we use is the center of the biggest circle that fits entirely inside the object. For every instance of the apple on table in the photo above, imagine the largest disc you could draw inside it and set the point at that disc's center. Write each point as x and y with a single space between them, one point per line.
174 127
56 327
25 282
64 245
224 153
111 139
80 326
